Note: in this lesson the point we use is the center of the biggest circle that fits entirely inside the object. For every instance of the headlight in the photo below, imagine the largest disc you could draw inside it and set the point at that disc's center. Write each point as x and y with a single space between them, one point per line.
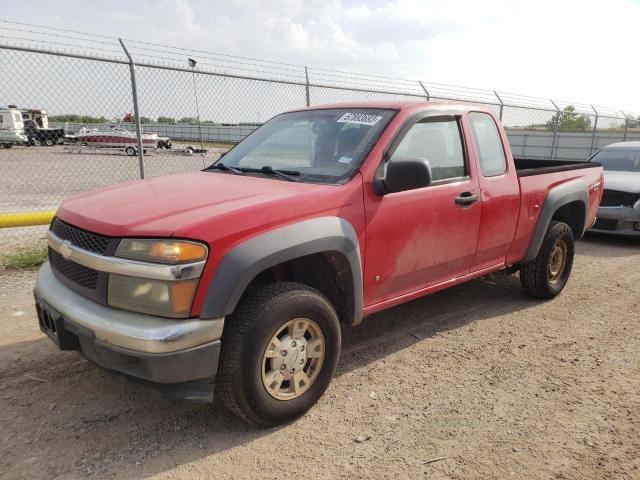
155 297
164 297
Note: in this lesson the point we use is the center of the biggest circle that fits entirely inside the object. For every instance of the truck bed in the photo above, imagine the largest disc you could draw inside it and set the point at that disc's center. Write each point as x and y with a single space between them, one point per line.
526 167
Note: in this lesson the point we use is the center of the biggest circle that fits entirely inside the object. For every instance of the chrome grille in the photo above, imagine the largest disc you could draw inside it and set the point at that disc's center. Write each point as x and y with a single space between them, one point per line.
80 238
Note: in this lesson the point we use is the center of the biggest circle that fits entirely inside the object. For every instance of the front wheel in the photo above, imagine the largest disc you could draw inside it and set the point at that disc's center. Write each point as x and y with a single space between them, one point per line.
130 151
279 352
546 275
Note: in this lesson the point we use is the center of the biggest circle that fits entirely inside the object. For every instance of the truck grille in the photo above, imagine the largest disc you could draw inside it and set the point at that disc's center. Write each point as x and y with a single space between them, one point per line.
615 198
80 238
86 281
605 224
78 274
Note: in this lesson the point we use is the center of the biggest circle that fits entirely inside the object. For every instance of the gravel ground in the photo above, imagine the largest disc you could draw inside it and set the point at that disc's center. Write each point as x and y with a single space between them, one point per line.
474 382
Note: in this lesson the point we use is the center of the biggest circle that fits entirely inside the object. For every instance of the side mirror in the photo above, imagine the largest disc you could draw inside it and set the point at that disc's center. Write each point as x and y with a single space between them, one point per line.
404 174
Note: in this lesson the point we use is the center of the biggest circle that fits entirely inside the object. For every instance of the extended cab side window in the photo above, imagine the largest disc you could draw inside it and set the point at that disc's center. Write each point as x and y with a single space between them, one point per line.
440 143
490 150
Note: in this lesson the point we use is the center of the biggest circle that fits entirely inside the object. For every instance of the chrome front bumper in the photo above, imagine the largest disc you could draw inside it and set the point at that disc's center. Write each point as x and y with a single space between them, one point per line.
123 329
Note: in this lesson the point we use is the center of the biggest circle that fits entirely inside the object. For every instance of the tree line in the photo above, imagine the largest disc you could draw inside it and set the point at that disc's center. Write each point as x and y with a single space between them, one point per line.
75 118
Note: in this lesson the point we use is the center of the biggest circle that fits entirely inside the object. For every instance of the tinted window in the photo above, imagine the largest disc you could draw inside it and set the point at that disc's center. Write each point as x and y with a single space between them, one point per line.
440 143
490 151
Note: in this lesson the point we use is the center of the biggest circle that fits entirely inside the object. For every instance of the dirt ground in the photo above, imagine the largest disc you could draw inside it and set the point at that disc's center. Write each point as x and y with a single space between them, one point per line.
474 382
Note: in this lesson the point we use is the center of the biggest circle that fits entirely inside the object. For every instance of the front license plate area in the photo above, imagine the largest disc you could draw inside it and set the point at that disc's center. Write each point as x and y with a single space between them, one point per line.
52 324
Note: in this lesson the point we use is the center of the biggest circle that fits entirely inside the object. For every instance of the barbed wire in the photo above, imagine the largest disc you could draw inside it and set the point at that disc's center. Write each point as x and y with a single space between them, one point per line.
221 63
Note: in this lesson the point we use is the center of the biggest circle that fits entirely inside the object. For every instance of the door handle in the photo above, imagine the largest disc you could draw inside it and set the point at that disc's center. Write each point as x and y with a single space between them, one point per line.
466 199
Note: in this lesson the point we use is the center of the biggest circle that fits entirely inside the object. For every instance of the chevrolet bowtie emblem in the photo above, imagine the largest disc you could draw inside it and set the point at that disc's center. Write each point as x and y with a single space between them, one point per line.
65 249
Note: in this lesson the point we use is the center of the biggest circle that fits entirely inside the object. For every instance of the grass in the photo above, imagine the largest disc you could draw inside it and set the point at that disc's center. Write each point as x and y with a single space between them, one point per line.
26 258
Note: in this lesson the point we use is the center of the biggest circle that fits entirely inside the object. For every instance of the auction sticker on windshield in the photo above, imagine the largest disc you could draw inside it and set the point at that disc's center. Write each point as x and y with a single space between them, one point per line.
359 118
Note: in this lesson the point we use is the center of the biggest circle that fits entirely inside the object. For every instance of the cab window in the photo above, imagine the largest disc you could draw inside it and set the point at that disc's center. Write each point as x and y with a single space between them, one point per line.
490 150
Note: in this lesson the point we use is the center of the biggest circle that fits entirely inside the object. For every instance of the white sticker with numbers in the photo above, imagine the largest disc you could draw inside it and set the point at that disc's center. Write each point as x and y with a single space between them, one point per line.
360 118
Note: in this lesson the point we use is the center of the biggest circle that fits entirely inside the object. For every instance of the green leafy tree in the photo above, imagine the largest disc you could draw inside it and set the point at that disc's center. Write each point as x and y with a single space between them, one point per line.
74 118
568 121
145 120
169 120
189 120
634 123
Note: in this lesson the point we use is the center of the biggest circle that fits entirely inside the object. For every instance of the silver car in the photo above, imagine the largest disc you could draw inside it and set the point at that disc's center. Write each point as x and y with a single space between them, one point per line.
619 210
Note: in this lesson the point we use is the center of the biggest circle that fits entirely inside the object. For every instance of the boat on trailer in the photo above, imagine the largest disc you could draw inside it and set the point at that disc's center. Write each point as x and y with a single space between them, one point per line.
116 138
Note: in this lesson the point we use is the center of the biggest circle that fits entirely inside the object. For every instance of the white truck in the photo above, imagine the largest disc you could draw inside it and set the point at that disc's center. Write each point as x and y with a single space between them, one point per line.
11 127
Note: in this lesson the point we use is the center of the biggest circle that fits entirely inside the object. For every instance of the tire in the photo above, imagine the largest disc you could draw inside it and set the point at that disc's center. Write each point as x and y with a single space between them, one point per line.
7 145
244 371
543 277
130 151
48 142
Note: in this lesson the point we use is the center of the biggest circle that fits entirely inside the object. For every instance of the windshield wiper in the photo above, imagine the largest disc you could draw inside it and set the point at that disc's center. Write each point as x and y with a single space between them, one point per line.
269 170
225 168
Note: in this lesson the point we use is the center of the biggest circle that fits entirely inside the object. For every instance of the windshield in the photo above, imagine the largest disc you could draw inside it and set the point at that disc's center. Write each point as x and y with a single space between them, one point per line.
619 159
323 146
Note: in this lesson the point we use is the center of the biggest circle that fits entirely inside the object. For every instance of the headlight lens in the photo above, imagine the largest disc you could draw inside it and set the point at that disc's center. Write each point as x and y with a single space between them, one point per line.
166 298
161 251
155 297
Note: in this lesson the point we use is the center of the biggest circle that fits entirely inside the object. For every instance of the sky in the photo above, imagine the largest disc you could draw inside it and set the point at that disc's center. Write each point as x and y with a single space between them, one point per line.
578 51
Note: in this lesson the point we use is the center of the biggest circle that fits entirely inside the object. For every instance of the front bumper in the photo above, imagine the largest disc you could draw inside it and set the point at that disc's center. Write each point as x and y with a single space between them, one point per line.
618 221
155 349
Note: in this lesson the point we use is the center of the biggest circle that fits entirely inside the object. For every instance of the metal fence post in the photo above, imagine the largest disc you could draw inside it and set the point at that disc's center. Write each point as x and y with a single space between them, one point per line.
555 132
501 103
626 126
136 111
593 134
425 90
307 87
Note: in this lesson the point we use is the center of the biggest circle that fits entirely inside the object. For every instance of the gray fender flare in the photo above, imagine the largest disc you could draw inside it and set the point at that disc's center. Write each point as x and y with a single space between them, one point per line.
572 191
245 261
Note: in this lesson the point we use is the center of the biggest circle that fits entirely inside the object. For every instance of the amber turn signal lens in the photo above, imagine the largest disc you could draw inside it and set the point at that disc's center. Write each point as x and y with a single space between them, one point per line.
178 251
182 296
161 251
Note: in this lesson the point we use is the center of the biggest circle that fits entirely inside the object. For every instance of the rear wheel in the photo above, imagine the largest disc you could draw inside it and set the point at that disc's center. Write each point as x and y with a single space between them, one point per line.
130 151
48 142
546 275
279 352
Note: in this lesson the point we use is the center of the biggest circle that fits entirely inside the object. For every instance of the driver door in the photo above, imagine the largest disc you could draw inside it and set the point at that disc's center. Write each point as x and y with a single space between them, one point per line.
423 237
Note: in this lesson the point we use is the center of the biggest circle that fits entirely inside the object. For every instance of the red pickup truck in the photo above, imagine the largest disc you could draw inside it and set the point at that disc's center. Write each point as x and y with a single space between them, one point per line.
238 278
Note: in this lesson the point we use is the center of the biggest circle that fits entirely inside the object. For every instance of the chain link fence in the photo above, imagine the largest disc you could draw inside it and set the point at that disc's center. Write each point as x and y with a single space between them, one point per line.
198 103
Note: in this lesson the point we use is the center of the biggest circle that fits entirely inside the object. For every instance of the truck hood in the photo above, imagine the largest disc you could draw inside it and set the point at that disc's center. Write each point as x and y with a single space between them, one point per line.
166 206
622 181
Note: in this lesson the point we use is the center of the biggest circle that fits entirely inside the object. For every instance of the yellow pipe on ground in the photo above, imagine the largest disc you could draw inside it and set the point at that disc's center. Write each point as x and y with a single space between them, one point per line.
25 219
